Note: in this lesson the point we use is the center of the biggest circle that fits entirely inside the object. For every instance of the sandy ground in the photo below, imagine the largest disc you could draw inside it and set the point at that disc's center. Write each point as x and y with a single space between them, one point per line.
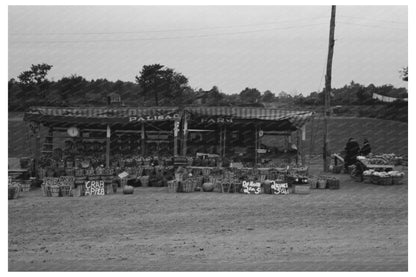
361 227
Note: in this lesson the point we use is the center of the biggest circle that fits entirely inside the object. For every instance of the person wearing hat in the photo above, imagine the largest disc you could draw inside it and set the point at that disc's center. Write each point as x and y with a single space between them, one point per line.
366 149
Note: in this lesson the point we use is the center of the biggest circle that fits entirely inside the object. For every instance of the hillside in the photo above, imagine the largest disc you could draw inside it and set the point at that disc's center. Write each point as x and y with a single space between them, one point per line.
385 136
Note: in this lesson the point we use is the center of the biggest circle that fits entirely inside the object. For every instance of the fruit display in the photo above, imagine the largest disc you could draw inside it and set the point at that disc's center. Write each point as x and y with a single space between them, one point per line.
383 178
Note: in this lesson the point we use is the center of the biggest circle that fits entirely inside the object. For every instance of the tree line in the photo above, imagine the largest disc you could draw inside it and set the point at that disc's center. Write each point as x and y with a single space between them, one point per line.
158 85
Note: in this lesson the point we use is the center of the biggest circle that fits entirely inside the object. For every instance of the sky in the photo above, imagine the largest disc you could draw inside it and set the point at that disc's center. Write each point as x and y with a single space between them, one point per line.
276 48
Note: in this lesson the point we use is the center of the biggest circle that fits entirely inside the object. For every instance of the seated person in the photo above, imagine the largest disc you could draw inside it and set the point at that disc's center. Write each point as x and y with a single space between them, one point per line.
366 149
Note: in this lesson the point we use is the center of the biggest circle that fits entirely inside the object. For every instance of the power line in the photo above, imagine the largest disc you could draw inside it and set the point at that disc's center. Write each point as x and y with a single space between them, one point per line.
173 37
372 19
371 26
167 30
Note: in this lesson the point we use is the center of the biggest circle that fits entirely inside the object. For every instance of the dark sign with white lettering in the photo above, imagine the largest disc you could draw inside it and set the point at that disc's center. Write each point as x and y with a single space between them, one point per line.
160 117
94 188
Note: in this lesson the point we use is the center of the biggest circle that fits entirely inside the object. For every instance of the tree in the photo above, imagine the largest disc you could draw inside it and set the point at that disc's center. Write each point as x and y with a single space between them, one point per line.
213 97
268 96
250 95
161 81
404 74
36 75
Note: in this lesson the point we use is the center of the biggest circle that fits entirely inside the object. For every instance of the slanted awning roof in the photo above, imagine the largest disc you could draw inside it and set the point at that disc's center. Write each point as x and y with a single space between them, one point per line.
130 115
103 115
295 118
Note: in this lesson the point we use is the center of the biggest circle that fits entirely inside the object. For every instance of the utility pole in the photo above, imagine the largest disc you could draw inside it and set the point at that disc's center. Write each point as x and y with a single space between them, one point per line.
328 79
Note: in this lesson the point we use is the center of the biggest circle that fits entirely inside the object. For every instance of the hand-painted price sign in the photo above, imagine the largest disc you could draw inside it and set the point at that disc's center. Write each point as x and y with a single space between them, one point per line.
251 187
94 188
279 188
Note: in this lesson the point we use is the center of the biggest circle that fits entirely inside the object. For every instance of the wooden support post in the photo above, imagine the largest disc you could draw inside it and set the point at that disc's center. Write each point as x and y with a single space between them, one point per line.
225 140
185 135
37 147
220 144
255 145
302 144
50 133
298 146
107 147
175 137
142 140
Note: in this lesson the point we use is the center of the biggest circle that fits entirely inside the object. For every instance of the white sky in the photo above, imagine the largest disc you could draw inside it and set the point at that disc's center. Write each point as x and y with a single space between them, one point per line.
233 47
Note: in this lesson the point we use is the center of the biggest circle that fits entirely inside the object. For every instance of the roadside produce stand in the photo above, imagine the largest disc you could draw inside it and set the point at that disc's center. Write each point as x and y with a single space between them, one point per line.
96 144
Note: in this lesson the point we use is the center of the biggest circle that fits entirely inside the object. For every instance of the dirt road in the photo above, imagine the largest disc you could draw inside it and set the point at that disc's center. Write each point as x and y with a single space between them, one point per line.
361 227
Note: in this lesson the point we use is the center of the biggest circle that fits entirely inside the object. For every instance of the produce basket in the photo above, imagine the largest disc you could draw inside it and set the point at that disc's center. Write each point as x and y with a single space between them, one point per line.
367 179
322 183
397 180
267 186
333 183
66 190
188 185
13 191
54 190
337 169
25 185
144 180
172 186
45 190
384 181
313 182
374 179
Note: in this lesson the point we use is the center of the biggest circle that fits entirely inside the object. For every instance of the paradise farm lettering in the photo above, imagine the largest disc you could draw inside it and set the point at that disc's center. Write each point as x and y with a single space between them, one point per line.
154 117
94 188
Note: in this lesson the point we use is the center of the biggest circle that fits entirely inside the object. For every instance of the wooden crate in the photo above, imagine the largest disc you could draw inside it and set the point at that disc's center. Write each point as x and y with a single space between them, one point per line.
301 189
